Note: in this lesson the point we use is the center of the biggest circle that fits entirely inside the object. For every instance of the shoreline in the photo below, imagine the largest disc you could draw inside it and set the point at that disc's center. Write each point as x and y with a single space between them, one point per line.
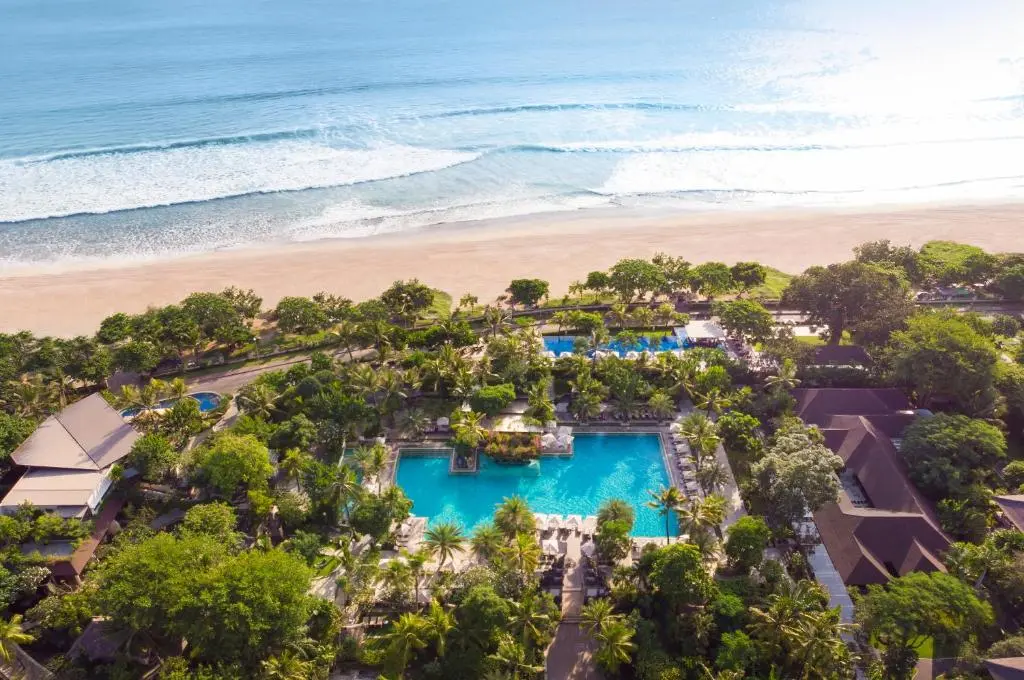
481 257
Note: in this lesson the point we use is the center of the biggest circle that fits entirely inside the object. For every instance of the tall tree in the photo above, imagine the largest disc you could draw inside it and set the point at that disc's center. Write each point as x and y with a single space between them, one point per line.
443 540
797 475
844 295
666 501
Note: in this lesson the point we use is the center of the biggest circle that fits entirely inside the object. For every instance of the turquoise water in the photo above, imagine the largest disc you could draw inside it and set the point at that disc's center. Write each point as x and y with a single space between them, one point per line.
207 402
156 128
604 466
567 343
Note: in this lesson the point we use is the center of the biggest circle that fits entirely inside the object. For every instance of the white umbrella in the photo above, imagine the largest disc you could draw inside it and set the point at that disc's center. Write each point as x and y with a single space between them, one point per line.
550 547
588 549
573 522
540 520
554 522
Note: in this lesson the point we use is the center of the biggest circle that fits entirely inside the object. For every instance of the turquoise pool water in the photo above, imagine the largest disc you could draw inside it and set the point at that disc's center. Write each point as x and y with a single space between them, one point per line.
567 343
207 402
603 466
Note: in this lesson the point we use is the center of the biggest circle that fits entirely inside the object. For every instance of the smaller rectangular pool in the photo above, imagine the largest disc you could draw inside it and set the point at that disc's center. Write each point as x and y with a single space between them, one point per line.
560 344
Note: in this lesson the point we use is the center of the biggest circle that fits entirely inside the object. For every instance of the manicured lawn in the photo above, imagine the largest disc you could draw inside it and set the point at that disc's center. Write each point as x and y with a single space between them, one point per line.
441 307
775 282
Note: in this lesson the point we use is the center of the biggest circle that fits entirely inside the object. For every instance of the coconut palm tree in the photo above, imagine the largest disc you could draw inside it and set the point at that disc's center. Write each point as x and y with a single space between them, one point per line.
579 289
817 646
258 400
614 645
288 665
391 390
711 475
713 401
773 626
538 402
497 319
364 380
529 619
702 515
514 517
700 433
396 577
177 388
596 614
467 302
415 422
373 460
666 501
643 317
294 463
487 542
348 489
618 315
11 635
407 634
661 404
347 332
444 540
524 553
32 397
784 379
512 657
438 622
416 562
468 428
614 510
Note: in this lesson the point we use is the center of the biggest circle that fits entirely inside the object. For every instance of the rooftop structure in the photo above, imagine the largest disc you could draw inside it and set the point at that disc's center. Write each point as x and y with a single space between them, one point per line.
881 527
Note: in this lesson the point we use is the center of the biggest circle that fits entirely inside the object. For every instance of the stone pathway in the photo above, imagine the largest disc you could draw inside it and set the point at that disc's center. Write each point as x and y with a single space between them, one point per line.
570 655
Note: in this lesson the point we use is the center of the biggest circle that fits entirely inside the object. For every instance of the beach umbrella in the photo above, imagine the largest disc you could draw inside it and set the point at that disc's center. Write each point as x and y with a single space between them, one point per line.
574 522
588 549
550 547
540 520
554 522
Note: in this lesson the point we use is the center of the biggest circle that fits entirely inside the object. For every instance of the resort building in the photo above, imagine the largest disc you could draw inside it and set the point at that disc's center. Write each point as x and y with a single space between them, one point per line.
881 527
1012 509
68 459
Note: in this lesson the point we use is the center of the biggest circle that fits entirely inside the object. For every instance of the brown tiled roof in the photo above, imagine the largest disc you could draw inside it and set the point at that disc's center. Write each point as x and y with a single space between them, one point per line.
1013 509
88 435
73 567
899 532
841 355
815 405
1011 668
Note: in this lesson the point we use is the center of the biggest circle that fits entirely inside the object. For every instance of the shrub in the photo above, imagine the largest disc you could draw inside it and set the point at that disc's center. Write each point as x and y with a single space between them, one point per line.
493 398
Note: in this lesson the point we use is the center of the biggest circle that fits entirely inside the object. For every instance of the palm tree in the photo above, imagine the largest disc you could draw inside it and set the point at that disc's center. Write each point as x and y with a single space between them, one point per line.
701 434
177 388
524 553
467 302
817 645
407 634
577 288
415 422
618 315
294 463
587 394
538 401
615 509
288 665
514 517
702 515
784 380
373 460
444 540
497 318
31 398
711 475
714 400
468 428
486 542
774 625
596 614
438 623
416 562
529 619
348 336
396 576
666 501
259 400
614 645
661 405
643 316
347 488
364 380
11 635
512 656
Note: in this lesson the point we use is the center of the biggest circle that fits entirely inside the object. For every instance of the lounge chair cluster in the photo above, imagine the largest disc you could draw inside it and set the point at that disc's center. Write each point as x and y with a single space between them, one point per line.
554 526
411 528
686 464
552 574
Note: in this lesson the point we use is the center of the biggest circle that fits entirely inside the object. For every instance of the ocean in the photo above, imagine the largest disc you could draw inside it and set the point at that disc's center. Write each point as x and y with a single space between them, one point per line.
132 129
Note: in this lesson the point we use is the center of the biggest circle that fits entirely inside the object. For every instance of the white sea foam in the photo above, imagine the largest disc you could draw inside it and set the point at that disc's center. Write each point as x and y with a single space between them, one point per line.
100 183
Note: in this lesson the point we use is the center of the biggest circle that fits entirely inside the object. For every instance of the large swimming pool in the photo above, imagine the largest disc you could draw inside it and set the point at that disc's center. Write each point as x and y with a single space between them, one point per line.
567 343
602 467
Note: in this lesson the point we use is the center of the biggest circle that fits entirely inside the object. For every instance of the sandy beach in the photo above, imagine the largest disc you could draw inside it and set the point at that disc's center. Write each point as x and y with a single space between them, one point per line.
482 257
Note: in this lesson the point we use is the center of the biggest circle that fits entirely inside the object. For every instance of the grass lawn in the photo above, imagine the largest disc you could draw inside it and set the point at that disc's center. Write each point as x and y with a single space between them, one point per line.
775 282
441 307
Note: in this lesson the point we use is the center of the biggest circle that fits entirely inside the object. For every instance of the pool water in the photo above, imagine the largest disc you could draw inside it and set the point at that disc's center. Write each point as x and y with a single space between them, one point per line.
567 343
603 466
207 402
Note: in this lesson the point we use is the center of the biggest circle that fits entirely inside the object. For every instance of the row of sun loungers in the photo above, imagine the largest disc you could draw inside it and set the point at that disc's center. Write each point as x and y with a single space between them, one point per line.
686 465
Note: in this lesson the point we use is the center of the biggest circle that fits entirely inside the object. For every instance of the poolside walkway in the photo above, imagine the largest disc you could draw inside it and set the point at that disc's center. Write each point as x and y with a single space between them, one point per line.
733 501
570 655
